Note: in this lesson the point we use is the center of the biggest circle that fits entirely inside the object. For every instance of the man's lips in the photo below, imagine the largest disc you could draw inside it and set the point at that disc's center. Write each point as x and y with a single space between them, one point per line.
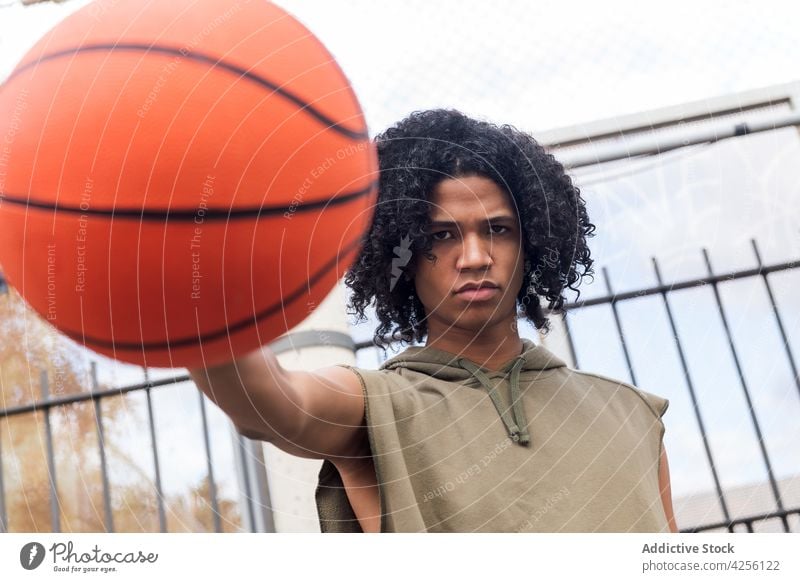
478 294
476 284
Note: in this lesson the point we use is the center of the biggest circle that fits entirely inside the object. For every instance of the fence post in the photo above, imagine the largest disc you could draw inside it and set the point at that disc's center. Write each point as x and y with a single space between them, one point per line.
55 517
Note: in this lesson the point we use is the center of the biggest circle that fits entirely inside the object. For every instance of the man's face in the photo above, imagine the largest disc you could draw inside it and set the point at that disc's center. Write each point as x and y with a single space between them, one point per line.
476 239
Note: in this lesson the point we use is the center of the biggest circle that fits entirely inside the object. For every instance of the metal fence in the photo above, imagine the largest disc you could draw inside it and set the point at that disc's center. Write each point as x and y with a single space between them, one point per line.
731 523
714 280
663 290
257 515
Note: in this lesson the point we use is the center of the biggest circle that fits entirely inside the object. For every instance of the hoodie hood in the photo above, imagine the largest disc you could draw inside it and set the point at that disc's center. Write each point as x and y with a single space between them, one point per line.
454 368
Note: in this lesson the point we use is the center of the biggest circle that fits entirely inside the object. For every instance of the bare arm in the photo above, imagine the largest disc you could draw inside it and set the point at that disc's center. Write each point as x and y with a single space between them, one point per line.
666 493
316 415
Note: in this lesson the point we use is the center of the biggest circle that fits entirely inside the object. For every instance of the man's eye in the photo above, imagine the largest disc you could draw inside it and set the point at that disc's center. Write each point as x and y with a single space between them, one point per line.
436 236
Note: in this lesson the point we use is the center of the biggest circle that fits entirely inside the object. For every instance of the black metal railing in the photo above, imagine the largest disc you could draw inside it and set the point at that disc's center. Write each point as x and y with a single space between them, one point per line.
662 289
47 403
731 524
713 280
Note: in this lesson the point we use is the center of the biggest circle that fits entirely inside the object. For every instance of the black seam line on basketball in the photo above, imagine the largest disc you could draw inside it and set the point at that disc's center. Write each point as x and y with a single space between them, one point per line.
215 335
203 58
183 215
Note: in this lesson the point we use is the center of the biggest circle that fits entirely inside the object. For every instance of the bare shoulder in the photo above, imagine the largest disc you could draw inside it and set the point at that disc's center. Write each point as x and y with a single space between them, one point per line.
331 424
338 376
332 386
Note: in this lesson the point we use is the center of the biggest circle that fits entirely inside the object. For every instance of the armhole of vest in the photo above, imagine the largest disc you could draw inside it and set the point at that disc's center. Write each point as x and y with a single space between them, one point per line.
662 431
375 457
657 413
330 478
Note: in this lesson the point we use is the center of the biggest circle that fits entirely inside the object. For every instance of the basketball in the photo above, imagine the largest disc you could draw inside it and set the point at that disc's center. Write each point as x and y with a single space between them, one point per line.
181 181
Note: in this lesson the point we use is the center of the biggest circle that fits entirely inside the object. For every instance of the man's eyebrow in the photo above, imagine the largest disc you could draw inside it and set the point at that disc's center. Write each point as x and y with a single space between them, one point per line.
490 220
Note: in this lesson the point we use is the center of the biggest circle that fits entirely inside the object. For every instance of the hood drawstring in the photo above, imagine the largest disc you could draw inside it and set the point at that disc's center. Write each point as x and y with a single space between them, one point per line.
516 425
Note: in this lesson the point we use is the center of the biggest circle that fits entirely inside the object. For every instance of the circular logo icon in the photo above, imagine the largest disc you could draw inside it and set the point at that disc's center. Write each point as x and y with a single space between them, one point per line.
31 555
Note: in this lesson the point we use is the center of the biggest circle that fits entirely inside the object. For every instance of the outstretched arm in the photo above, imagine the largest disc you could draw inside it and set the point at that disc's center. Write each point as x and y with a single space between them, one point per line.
316 414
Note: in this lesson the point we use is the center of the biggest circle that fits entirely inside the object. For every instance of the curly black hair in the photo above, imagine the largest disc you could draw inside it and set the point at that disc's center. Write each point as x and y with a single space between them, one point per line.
430 146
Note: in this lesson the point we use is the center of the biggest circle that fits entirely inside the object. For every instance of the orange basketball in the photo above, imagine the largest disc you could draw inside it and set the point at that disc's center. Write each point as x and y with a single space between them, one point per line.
181 181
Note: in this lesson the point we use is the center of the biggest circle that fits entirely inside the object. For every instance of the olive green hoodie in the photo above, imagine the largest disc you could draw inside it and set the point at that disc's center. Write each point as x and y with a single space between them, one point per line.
533 447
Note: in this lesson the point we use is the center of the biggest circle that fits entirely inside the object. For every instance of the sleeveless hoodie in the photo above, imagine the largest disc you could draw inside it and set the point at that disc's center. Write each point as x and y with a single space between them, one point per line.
533 447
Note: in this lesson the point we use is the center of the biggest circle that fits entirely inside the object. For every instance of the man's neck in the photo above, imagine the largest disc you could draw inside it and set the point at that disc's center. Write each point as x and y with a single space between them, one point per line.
491 349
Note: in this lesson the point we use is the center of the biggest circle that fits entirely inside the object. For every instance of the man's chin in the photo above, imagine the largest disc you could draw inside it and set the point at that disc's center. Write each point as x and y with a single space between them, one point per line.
477 320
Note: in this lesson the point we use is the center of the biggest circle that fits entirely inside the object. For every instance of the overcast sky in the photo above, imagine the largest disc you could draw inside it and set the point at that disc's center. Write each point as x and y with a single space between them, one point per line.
539 64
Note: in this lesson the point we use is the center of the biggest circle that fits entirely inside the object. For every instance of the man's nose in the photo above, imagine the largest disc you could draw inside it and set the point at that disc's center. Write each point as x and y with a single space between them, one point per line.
475 252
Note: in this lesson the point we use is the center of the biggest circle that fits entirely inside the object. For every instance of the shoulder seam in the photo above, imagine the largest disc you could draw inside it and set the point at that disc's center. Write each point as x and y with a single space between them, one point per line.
371 439
631 387
355 371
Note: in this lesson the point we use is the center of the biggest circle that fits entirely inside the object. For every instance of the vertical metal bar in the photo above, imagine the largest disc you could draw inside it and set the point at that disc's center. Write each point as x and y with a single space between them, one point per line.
242 441
778 319
619 326
773 483
692 394
570 342
109 517
162 518
3 516
212 487
257 515
382 357
55 517
260 488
